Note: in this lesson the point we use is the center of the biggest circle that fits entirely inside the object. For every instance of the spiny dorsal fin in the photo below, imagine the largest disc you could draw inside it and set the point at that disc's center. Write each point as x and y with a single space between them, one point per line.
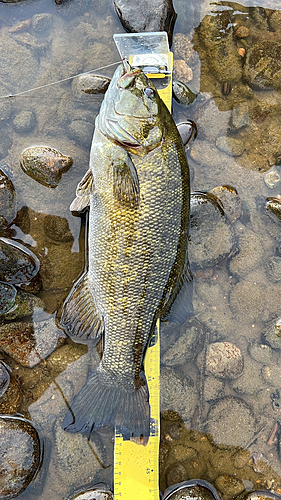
126 183
80 318
83 191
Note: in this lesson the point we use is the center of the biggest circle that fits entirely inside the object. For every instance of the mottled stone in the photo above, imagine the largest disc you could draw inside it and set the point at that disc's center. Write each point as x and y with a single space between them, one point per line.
98 493
229 486
247 301
262 69
41 22
182 71
231 422
230 146
45 165
249 256
275 21
177 392
20 455
91 84
25 304
57 228
223 360
272 178
18 265
183 49
30 342
242 32
240 116
176 474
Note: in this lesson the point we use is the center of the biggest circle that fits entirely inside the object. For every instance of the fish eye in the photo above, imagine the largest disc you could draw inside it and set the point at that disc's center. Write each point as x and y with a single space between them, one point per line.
149 92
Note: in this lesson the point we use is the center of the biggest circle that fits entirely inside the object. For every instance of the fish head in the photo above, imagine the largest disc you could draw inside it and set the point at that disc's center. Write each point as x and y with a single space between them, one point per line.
132 111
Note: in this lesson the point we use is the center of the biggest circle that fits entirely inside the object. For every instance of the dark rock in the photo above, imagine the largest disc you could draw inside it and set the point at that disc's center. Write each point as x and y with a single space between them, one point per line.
229 486
18 265
91 84
7 198
21 455
183 94
7 297
45 165
11 399
240 116
57 228
24 122
262 69
137 16
176 474
25 304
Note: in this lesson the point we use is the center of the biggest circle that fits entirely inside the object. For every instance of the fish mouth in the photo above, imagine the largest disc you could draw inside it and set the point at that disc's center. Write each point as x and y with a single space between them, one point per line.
129 75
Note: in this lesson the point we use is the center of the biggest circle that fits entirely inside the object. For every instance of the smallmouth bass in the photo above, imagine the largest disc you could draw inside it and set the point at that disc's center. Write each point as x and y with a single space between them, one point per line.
138 190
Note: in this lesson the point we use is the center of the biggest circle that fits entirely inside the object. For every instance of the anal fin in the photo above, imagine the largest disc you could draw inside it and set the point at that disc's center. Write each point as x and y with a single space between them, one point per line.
83 191
80 318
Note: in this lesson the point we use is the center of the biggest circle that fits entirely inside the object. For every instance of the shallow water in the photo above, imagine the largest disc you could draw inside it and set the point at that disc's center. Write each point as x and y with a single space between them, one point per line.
235 299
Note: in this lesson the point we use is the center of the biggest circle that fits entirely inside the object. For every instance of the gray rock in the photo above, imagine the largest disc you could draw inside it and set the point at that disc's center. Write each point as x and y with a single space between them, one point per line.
240 116
230 145
249 256
213 388
41 22
262 353
247 301
178 393
24 122
191 338
250 382
272 178
17 60
90 84
231 422
82 132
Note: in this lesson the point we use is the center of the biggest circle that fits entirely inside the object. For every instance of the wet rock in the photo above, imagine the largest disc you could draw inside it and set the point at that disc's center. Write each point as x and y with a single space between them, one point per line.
7 199
241 458
272 335
230 146
21 455
57 228
242 32
230 201
250 382
30 342
272 375
177 393
25 304
41 22
98 493
247 301
262 69
273 268
7 297
45 165
258 14
194 489
75 468
6 144
17 60
223 360
261 353
182 93
176 474
183 49
249 256
229 486
81 132
240 116
18 265
91 84
142 15
272 178
181 453
188 345
211 122
210 238
275 21
24 122
182 71
213 388
273 208
11 399
187 130
231 422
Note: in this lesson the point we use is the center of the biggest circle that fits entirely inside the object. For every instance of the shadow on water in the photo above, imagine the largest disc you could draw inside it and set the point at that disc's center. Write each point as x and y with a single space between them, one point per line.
220 374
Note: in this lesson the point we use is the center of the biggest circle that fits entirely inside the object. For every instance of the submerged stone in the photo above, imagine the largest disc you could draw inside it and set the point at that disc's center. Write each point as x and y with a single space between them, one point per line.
21 455
7 200
45 165
100 492
18 265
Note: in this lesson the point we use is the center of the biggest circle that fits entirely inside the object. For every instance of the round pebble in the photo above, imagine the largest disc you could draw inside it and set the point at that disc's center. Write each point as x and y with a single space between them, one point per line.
262 353
176 474
24 122
81 132
229 486
272 178
231 422
20 456
223 360
242 32
91 84
45 165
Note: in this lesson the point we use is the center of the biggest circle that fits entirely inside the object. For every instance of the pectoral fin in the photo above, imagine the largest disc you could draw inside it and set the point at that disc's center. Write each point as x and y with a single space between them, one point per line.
80 318
125 182
83 191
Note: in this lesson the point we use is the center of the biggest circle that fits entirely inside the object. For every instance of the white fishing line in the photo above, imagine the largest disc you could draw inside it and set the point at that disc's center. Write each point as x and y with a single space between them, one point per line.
58 81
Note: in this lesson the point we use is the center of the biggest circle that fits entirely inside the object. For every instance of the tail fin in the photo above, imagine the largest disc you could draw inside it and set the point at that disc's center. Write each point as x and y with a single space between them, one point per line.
102 402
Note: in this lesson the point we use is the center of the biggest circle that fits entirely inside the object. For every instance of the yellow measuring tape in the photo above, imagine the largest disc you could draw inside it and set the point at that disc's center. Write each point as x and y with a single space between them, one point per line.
136 474
136 467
